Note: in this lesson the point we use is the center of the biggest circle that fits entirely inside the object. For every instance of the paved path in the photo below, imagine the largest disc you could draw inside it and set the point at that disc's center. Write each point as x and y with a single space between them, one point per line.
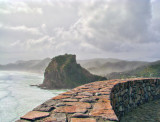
99 101
149 112
86 103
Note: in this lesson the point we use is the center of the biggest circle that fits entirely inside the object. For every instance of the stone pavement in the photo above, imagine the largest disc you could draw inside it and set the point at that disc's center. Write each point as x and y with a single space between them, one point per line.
93 102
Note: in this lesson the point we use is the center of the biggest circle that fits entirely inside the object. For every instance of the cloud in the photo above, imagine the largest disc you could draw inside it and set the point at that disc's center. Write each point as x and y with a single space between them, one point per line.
115 27
108 28
123 22
14 7
24 28
10 34
111 26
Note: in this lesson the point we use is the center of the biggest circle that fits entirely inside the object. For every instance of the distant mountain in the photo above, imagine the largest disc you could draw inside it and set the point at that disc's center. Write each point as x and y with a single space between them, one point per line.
64 72
96 62
109 65
97 66
36 66
149 70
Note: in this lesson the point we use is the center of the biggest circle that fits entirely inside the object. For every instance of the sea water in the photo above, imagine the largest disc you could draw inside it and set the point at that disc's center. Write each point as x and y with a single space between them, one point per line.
17 96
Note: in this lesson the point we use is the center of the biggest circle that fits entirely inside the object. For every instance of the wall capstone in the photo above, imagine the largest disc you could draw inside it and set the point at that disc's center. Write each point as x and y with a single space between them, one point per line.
98 101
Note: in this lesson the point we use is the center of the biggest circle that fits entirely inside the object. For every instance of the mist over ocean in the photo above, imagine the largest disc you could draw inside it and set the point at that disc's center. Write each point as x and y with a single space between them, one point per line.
17 96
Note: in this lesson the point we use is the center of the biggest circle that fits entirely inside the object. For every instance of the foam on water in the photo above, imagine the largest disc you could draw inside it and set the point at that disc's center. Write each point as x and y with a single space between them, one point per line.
17 96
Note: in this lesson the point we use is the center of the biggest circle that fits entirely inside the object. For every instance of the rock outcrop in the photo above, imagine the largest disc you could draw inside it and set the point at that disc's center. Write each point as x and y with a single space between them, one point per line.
63 72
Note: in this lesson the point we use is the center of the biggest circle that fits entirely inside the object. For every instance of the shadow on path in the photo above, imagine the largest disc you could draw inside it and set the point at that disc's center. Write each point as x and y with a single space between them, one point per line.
149 112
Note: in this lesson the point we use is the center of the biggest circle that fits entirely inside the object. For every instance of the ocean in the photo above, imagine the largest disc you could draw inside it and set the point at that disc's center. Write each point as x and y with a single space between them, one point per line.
17 96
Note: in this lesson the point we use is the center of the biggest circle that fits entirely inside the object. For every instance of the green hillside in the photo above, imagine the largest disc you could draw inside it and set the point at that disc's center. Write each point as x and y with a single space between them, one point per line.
150 70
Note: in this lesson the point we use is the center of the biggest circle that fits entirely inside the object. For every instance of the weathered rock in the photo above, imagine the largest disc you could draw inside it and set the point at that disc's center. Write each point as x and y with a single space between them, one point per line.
79 104
85 94
81 97
68 93
70 109
48 119
88 100
60 97
60 104
44 108
83 120
60 117
102 112
70 100
64 72
33 115
80 115
102 106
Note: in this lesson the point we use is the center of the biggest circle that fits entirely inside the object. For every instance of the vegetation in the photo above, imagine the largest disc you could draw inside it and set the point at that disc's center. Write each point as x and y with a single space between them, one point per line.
151 70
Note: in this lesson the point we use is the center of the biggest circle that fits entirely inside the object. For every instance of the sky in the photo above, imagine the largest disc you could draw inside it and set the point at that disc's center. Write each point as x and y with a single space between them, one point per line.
36 29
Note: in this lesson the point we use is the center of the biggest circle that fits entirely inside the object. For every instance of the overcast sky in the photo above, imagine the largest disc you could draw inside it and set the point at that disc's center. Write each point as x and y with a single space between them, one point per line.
36 29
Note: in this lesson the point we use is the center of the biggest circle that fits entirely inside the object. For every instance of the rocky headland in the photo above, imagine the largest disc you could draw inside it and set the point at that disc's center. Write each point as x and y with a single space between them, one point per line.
63 72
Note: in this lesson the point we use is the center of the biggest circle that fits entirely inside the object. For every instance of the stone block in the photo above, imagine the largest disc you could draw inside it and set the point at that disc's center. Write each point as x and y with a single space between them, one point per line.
33 115
83 120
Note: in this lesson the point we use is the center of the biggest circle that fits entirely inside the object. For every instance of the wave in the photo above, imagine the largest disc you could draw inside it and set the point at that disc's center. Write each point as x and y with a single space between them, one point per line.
17 96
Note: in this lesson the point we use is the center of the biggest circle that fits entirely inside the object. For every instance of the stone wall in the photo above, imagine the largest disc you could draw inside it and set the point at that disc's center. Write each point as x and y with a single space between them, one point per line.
132 93
99 101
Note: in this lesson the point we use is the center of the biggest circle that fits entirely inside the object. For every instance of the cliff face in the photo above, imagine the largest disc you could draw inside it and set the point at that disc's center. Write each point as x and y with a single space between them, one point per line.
64 72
